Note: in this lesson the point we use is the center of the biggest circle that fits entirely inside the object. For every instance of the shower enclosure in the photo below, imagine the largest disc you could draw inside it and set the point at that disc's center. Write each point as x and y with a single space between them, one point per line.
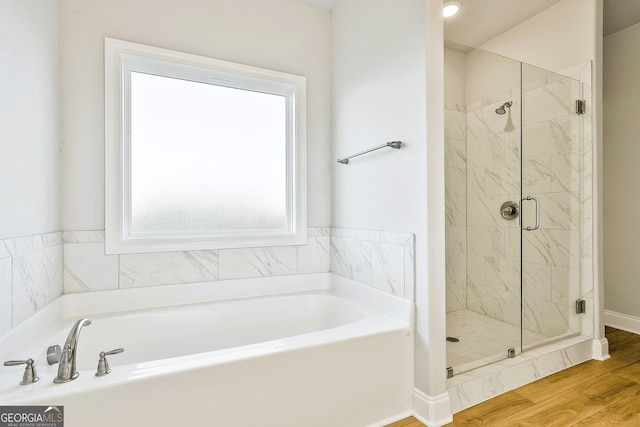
514 190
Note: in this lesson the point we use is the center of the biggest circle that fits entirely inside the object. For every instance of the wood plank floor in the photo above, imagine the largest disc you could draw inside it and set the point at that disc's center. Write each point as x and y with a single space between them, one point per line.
590 394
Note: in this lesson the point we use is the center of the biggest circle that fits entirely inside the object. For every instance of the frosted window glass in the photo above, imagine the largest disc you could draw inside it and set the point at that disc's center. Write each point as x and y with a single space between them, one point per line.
205 158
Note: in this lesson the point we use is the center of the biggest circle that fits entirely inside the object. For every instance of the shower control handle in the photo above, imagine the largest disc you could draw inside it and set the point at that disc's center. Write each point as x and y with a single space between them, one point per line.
509 210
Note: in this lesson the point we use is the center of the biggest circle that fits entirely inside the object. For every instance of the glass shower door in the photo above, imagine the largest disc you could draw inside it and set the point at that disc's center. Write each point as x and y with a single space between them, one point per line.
514 186
550 206
483 248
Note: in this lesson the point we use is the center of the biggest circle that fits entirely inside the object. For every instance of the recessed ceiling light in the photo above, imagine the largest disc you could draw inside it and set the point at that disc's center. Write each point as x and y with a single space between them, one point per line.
450 8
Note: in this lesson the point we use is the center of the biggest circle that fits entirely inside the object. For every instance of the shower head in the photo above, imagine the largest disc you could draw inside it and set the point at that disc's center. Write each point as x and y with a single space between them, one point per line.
503 108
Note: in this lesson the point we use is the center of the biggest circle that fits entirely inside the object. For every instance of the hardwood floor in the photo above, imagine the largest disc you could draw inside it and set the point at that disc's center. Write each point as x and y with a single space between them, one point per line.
590 394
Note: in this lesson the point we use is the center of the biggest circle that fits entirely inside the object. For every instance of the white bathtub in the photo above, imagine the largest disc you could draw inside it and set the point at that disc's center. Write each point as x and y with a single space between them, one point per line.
308 350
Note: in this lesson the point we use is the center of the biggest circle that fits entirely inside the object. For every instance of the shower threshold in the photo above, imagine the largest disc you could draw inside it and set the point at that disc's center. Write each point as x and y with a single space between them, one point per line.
470 388
482 340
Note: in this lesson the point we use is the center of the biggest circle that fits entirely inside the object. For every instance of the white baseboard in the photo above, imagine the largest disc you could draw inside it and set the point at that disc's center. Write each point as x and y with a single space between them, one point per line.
622 321
434 411
392 420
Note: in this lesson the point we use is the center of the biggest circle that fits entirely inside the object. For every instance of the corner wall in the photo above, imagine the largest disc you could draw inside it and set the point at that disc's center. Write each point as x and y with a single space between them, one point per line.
621 173
387 84
29 119
30 246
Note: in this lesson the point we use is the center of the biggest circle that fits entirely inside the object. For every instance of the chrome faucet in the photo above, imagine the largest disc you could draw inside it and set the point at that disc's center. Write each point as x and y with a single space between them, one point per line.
67 365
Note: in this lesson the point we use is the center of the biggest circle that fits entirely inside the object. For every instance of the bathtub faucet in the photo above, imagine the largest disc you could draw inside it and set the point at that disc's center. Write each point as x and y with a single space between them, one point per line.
67 365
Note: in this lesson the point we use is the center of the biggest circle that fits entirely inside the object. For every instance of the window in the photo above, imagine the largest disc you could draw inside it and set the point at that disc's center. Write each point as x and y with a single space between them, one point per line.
201 153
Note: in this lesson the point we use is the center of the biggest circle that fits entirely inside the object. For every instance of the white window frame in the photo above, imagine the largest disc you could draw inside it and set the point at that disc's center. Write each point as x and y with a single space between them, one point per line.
122 58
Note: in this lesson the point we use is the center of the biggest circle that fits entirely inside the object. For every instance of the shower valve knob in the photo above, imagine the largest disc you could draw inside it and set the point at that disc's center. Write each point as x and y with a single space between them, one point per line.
509 210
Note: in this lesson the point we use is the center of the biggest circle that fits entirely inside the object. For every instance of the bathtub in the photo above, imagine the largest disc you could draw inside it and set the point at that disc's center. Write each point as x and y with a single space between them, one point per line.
307 350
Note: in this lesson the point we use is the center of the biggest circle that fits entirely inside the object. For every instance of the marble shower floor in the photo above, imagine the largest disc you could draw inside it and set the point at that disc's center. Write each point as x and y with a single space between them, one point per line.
483 340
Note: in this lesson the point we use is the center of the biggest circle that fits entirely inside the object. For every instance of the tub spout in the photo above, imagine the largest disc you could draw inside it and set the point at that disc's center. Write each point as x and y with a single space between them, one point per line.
67 367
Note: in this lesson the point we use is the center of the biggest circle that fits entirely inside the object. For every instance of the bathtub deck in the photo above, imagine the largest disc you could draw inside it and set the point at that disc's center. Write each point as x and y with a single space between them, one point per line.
355 346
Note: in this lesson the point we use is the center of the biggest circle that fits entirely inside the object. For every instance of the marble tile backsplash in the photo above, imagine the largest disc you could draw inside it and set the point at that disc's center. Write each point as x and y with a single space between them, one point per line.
87 268
380 259
35 270
30 276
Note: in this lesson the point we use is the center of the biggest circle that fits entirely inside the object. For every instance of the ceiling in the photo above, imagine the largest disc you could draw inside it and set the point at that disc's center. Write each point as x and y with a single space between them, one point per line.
481 20
620 14
320 4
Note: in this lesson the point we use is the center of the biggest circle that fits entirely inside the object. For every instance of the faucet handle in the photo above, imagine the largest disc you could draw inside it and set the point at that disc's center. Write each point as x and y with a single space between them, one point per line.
103 365
30 375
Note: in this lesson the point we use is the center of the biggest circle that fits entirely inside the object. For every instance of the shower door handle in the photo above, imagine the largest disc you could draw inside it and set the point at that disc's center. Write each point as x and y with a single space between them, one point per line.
526 199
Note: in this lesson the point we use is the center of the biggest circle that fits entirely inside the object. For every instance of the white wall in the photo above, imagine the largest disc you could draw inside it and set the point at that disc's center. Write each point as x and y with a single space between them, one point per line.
387 84
378 89
490 78
29 118
275 34
621 172
456 80
30 241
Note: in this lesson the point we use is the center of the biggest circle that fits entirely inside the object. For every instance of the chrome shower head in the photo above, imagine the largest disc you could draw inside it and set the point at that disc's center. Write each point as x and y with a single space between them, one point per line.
503 108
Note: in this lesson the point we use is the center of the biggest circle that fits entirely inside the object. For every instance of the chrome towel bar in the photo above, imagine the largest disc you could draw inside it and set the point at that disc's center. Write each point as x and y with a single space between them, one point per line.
392 144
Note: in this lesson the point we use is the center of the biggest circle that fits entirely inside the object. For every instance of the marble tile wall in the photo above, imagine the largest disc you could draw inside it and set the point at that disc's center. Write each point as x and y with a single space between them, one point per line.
483 249
35 270
30 276
558 266
456 205
384 260
380 259
87 268
493 177
552 172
